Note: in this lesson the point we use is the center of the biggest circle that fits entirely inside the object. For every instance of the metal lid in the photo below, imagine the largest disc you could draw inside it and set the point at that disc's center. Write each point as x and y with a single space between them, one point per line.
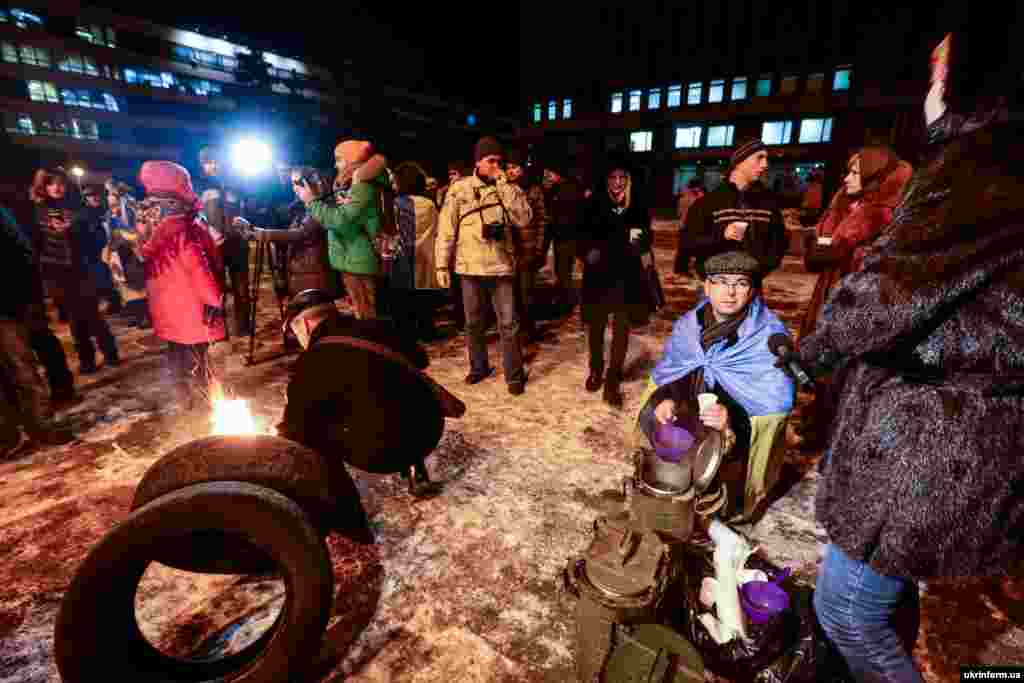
622 563
707 460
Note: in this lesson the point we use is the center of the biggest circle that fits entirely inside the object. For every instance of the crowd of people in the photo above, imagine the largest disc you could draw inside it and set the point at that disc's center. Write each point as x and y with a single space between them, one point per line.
914 329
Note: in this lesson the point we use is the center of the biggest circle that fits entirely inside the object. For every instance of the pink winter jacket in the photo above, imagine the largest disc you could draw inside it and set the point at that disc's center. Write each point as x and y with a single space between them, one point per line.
180 265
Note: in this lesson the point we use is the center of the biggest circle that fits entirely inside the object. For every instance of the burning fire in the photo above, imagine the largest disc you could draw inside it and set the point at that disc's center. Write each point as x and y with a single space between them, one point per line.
230 416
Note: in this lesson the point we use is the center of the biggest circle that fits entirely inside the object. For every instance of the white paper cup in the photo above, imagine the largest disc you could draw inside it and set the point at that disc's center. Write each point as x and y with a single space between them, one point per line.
825 241
705 401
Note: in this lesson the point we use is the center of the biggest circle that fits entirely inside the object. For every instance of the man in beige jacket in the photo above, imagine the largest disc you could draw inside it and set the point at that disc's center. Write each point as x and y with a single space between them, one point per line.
476 238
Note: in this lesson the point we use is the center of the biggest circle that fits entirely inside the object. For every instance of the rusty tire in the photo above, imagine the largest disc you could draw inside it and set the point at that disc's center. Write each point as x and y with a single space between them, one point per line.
324 491
97 637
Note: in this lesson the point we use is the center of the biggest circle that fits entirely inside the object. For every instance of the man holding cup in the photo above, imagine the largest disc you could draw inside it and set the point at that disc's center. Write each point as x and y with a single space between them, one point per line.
718 373
738 215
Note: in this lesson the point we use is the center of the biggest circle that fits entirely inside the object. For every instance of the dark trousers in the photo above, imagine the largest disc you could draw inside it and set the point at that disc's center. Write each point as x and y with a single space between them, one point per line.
597 319
49 351
526 278
458 308
26 398
236 261
83 307
565 264
190 370
501 291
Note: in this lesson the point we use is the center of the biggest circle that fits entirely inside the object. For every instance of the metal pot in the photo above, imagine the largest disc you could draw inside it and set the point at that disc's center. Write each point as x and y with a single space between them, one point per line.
661 477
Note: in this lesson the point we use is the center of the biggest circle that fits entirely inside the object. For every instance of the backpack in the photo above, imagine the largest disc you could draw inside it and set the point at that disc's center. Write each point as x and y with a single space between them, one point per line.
387 244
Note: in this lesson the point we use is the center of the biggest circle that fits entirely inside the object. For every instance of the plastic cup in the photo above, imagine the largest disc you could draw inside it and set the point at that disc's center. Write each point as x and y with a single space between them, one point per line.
705 401
825 241
671 442
762 600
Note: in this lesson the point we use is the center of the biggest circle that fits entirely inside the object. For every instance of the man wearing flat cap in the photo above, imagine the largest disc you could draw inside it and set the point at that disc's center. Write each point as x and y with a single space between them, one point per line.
738 215
358 393
476 238
720 349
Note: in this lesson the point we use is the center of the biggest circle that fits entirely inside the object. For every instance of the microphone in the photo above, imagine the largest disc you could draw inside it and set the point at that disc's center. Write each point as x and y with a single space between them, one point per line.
780 345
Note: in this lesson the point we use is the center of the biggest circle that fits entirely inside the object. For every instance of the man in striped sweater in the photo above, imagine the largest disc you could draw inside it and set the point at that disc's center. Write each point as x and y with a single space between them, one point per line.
738 214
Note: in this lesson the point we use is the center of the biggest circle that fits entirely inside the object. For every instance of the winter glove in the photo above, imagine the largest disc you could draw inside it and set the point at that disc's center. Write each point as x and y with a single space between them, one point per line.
635 234
444 279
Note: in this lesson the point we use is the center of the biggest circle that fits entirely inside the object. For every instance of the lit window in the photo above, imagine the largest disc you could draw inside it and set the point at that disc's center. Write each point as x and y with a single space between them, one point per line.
71 63
3 15
566 109
130 76
682 178
86 33
641 141
654 98
51 92
207 58
694 93
70 97
111 37
688 137
231 63
90 66
24 19
764 86
716 91
111 102
85 130
42 57
84 98
720 136
675 95
283 89
537 112
815 130
841 81
617 103
739 89
788 85
776 132
10 53
183 53
36 92
25 125
634 100
167 79
552 110
815 82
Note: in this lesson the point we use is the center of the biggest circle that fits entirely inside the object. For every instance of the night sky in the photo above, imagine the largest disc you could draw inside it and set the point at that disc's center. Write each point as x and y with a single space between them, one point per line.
506 54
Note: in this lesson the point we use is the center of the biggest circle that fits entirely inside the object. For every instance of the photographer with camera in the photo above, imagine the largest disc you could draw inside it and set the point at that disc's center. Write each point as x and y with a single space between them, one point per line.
477 234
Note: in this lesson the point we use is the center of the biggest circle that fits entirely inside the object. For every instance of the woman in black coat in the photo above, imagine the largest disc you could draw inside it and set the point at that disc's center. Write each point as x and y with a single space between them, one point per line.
614 242
923 476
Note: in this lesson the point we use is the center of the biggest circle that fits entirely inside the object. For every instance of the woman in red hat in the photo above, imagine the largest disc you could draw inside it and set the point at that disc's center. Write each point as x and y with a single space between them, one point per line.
181 262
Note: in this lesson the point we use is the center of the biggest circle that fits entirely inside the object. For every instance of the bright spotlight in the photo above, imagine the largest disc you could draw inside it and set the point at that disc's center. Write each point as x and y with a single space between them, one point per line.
77 171
251 157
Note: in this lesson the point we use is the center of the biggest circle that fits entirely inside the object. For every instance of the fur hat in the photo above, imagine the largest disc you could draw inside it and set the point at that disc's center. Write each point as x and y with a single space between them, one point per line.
166 178
732 263
486 147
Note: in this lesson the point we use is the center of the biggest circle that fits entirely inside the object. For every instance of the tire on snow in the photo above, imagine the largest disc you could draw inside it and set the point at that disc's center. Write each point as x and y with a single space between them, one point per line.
325 492
97 637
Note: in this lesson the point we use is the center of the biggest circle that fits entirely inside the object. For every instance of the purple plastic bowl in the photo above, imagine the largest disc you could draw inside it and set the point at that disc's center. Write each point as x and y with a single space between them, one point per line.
671 442
762 600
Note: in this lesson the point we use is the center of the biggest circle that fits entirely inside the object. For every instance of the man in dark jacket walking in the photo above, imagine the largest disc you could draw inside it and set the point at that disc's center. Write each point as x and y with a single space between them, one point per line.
358 393
564 199
738 214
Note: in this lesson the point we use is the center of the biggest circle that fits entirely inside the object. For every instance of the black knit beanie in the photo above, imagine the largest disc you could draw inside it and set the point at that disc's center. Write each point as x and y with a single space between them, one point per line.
746 149
486 147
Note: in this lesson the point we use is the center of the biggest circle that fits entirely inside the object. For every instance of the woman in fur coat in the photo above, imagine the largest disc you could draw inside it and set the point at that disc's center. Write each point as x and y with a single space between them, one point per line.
923 475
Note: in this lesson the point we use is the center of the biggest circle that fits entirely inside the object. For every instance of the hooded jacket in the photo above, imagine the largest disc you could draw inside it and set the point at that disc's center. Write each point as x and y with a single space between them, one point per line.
352 225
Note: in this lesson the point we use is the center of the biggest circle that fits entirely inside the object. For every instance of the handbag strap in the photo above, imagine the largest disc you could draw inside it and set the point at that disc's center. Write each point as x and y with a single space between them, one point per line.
451 406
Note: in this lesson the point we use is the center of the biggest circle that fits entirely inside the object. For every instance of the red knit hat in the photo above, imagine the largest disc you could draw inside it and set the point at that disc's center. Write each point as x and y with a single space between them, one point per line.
168 179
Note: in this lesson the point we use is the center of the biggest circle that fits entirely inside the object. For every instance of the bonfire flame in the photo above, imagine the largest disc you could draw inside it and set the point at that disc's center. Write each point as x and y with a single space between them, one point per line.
230 415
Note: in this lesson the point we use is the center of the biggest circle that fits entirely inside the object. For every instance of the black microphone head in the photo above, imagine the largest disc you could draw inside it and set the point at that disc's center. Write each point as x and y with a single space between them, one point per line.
779 343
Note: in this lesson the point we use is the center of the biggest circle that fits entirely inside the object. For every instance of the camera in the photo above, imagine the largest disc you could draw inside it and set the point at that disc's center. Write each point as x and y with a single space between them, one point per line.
493 232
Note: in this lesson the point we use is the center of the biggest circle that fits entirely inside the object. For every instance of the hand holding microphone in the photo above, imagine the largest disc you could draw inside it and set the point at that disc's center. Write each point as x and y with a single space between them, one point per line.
788 359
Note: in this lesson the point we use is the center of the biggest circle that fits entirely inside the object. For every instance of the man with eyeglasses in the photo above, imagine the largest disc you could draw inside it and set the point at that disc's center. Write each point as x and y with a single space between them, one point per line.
476 238
739 214
719 352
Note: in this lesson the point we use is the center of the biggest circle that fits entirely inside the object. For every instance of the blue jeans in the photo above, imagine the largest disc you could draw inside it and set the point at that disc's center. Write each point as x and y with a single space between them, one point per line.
501 290
855 606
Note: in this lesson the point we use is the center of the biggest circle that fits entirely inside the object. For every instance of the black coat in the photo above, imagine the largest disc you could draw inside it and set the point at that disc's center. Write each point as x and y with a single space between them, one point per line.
616 279
925 475
351 404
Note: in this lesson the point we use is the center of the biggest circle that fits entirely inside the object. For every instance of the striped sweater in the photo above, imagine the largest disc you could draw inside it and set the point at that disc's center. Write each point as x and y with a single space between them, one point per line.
704 232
